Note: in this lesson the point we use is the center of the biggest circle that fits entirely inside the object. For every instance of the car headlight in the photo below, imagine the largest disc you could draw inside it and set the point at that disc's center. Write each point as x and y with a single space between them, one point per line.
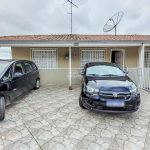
91 90
133 89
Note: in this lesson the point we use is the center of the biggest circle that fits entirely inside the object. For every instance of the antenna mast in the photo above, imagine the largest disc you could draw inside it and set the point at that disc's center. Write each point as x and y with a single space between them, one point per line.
72 3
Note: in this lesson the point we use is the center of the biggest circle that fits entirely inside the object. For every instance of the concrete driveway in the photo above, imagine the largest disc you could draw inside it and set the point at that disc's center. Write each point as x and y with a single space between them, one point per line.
51 119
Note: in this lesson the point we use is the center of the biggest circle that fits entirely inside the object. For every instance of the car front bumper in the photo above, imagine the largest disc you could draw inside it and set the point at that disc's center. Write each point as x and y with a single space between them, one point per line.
96 104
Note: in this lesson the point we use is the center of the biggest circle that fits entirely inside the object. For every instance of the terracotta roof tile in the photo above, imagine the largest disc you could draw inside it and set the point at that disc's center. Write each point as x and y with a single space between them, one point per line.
65 37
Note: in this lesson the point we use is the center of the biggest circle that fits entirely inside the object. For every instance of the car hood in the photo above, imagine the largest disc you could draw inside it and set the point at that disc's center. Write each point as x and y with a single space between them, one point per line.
121 83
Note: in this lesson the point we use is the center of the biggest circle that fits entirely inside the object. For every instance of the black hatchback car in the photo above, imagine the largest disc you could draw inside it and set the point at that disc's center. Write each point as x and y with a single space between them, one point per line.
106 88
17 77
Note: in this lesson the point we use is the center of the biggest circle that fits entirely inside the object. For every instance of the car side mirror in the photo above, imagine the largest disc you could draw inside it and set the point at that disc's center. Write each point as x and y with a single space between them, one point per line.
17 75
81 72
126 72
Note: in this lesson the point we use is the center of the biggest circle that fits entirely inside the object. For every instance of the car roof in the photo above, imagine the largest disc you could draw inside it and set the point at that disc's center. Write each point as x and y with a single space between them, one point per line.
6 60
100 63
12 60
9 61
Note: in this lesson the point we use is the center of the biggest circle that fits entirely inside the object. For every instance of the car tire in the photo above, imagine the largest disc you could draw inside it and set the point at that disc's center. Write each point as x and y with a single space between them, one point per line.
2 108
37 84
80 102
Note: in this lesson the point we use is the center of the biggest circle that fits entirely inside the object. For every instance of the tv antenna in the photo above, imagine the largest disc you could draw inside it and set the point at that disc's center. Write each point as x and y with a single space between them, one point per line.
69 4
113 22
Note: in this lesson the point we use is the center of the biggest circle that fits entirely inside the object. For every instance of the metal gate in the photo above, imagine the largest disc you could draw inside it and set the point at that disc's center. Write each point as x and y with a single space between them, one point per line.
141 77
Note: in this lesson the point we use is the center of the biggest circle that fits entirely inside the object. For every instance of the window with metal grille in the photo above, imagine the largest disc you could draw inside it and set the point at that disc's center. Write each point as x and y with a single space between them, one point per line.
92 55
44 58
147 58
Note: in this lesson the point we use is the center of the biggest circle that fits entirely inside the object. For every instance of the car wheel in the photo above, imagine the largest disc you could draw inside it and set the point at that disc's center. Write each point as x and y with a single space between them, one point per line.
80 102
37 84
2 108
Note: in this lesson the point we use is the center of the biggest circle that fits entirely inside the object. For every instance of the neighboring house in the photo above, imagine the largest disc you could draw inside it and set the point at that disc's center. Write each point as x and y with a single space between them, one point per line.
59 57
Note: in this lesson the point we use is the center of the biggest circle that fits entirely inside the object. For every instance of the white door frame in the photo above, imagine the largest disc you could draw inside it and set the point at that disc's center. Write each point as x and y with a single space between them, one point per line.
123 51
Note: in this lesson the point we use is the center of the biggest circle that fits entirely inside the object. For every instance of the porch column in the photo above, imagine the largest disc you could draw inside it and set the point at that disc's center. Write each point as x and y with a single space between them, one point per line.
142 56
70 84
141 65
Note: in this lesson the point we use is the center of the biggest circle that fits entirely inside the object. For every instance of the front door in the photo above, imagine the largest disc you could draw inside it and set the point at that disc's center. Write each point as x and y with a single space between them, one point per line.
117 58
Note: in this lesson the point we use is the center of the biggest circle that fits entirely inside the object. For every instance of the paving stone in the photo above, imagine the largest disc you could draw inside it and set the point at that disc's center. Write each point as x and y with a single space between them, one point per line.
26 143
136 132
35 124
1 143
131 146
10 123
14 135
44 134
58 143
95 146
50 119
147 147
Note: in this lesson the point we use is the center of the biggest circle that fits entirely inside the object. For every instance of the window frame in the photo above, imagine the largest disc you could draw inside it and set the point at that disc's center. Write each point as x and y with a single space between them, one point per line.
92 50
147 62
48 66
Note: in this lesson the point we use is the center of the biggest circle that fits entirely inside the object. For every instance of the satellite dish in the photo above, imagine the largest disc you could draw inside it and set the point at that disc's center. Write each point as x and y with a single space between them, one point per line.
113 22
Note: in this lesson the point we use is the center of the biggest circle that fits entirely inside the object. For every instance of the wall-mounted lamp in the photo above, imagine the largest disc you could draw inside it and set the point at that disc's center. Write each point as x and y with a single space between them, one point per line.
67 56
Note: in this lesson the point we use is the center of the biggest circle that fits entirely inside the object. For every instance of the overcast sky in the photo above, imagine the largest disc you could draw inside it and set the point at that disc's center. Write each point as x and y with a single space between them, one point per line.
21 17
50 17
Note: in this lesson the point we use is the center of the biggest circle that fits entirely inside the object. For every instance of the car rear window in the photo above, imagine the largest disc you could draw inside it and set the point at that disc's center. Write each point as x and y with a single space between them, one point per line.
3 65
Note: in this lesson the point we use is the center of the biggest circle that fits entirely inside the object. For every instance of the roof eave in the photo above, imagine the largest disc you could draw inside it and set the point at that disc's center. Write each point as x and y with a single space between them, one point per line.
72 42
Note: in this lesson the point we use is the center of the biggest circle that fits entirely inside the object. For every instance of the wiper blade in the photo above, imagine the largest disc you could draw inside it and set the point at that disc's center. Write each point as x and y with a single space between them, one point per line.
109 75
93 74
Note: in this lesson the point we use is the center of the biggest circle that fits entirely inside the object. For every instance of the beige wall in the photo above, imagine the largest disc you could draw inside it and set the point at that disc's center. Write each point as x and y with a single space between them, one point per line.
24 54
64 63
130 57
60 76
20 53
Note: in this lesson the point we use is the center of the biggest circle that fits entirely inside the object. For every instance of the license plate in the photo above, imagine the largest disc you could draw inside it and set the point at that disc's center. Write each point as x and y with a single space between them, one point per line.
115 103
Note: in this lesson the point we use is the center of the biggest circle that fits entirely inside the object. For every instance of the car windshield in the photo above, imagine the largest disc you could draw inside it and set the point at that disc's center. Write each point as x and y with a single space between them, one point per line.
104 70
3 65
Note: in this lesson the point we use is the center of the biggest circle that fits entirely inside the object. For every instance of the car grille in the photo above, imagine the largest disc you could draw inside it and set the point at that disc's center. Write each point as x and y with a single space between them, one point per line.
109 95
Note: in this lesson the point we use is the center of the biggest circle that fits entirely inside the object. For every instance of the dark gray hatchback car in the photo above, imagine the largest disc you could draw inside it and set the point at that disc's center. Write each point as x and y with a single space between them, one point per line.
17 77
